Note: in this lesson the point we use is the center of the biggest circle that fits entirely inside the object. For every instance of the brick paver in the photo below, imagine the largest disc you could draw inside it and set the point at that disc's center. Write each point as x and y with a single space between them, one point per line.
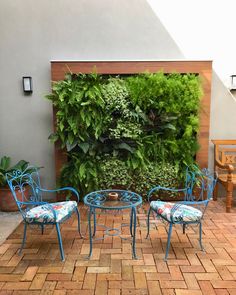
111 269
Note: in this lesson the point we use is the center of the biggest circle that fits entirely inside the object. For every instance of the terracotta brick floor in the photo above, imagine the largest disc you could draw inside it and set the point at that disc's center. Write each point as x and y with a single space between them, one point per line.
111 269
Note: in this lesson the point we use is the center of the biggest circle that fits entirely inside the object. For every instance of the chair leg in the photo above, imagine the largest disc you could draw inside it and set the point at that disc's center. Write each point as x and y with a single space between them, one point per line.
94 222
200 236
229 197
148 222
134 232
215 192
168 241
24 238
79 227
131 223
184 227
90 233
60 241
42 229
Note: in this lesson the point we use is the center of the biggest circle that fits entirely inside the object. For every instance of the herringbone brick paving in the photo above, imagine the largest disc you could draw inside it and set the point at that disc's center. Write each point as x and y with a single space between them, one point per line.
111 270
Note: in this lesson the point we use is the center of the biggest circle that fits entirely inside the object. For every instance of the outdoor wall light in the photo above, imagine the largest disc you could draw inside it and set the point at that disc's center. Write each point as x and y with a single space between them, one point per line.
233 82
27 85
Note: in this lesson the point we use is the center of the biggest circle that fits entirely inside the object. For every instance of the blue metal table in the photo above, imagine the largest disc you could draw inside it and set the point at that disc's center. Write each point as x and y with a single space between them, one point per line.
112 200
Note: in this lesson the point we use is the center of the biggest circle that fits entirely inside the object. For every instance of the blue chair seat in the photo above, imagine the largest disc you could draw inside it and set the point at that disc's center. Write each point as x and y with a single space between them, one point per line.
181 212
43 213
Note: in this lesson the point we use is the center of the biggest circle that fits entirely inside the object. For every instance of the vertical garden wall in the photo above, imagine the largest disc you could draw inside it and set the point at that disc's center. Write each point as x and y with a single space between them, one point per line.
130 129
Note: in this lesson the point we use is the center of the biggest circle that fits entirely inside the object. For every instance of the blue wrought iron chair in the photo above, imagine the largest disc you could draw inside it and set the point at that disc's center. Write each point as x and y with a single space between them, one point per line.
197 193
27 192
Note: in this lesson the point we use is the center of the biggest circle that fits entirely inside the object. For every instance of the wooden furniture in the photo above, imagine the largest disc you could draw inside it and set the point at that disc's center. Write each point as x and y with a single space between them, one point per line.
225 166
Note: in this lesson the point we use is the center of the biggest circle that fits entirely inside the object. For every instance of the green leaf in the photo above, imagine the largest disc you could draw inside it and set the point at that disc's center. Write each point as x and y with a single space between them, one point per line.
5 163
21 165
125 146
53 137
86 103
82 170
139 154
61 126
71 138
169 126
70 147
84 146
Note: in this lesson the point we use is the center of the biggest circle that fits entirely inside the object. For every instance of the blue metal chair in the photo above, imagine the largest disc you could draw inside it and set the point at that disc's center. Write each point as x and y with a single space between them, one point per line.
197 193
27 192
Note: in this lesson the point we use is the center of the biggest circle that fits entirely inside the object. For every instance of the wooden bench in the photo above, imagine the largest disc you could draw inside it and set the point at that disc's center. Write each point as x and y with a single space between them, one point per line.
225 166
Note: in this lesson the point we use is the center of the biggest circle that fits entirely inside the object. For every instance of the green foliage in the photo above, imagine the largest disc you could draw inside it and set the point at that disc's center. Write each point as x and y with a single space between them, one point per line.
131 122
125 129
5 167
116 98
113 174
81 172
79 103
164 174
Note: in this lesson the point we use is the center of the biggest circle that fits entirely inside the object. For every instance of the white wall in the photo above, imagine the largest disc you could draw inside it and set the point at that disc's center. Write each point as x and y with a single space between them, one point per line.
203 29
34 32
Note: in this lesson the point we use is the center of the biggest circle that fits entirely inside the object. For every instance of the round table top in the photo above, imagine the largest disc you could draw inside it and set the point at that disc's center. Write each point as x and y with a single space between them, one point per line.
112 199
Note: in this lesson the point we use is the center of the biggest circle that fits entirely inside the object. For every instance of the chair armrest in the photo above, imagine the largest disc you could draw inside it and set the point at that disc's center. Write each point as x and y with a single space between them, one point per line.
228 167
33 203
60 189
165 189
193 202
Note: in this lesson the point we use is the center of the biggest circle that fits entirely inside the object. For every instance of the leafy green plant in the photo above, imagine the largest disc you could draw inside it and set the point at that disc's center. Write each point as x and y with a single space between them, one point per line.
5 167
113 173
79 103
80 171
156 174
138 120
116 98
126 129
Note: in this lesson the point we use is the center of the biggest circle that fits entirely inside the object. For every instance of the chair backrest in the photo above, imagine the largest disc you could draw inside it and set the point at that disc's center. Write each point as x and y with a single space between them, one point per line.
200 184
25 186
228 155
225 153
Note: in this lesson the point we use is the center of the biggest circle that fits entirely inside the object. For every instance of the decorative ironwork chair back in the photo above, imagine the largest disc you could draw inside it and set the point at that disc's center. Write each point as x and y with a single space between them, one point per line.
25 186
200 185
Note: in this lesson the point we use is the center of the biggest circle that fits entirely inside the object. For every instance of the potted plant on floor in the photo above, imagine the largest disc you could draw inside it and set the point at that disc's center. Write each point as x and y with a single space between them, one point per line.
7 202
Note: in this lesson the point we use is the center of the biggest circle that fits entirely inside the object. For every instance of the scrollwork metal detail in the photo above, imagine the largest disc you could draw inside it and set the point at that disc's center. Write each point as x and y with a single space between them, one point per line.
100 199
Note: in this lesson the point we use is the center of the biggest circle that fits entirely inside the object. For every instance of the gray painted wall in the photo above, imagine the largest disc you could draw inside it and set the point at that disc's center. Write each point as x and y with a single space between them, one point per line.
34 32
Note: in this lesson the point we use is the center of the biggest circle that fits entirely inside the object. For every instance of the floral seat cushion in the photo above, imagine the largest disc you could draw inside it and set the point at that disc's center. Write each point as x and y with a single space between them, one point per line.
181 213
43 213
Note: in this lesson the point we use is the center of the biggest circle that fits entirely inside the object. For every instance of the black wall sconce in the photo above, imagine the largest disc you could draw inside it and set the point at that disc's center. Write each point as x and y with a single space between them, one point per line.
27 85
233 82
